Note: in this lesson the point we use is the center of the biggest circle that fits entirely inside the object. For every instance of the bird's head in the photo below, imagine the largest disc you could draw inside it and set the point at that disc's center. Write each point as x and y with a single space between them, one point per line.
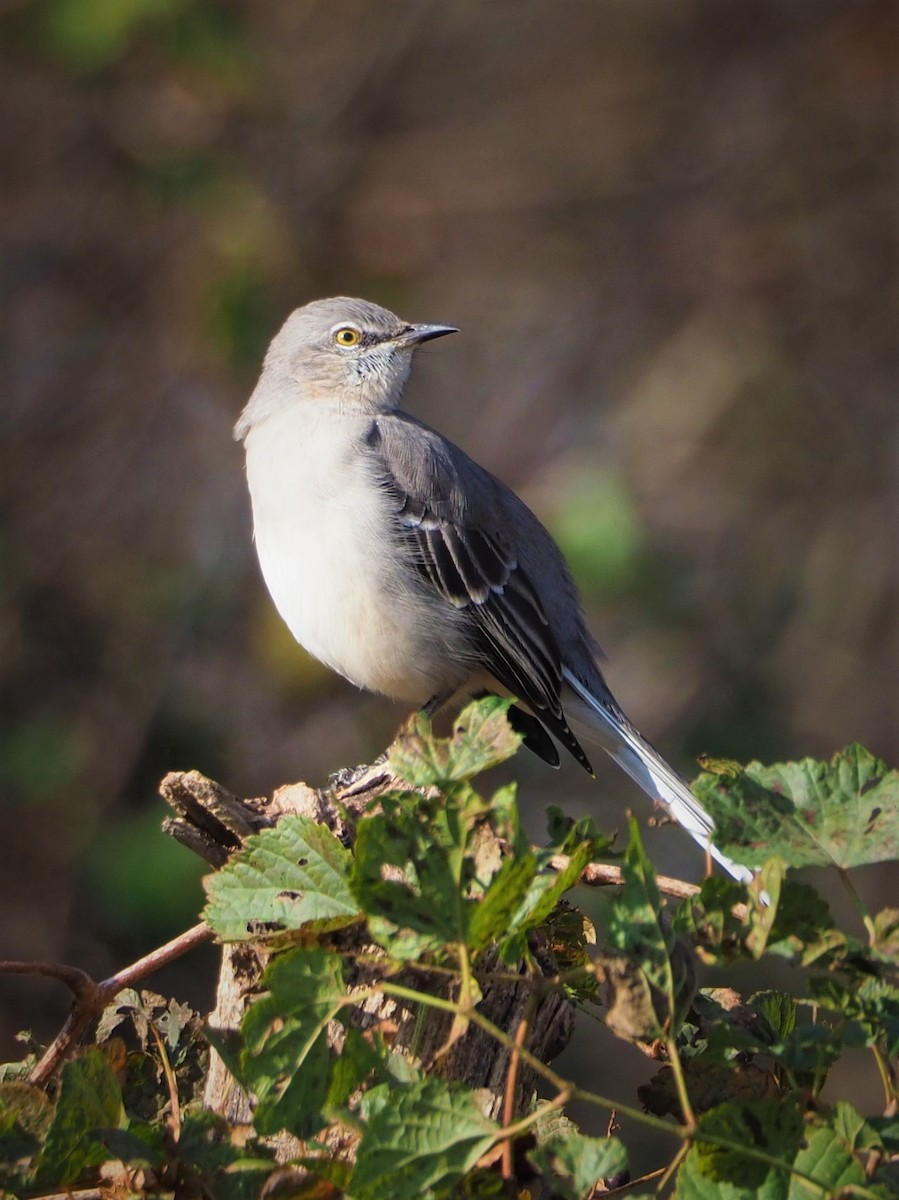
349 353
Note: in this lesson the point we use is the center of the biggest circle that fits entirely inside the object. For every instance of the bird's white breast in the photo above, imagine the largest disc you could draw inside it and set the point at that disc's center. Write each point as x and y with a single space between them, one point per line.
322 535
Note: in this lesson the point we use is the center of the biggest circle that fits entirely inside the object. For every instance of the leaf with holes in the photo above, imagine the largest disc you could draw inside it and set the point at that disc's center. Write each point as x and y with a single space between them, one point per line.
843 813
293 878
482 738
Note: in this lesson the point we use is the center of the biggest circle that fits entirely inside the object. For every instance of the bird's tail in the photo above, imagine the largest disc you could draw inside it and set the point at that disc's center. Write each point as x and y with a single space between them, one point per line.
606 724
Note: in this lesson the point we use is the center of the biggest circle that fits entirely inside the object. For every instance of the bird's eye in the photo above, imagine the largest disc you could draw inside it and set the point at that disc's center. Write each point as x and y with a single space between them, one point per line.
347 336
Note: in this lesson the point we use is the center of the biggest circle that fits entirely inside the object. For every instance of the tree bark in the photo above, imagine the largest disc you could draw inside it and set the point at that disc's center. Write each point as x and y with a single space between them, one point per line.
214 823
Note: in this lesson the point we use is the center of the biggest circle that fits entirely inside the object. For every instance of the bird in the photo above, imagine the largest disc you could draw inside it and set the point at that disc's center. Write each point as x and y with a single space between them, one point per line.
406 567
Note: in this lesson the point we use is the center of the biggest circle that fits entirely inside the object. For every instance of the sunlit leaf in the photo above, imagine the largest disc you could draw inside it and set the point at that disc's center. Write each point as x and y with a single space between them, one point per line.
417 1138
482 738
285 1059
716 1171
647 944
575 1164
843 813
292 877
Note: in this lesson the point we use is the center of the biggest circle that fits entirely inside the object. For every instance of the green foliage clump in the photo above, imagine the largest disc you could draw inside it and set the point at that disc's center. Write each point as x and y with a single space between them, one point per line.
442 898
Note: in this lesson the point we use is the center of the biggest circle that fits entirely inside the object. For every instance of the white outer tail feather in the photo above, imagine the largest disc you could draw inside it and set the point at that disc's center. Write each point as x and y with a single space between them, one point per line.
649 771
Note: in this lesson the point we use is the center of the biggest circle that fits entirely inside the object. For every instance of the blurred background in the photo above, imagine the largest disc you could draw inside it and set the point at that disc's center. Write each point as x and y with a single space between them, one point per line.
667 231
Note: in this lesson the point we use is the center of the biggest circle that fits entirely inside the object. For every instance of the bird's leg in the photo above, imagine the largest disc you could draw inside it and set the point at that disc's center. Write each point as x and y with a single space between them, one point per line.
350 780
436 702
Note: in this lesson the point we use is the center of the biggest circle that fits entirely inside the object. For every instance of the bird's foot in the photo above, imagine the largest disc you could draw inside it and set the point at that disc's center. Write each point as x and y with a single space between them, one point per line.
350 781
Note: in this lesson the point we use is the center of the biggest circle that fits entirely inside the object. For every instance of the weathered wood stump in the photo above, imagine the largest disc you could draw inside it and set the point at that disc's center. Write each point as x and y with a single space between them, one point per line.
213 822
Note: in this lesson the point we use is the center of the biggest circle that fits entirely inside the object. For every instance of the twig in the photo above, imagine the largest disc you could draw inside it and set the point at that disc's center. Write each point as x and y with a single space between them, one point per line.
605 875
89 998
521 1037
171 1083
77 981
160 957
626 1188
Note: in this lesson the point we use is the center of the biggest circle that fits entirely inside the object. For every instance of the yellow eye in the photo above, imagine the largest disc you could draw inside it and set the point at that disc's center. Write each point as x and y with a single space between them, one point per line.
347 336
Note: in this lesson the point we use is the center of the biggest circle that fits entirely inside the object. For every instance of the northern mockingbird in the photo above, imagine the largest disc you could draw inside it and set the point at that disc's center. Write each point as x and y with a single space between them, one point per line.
403 565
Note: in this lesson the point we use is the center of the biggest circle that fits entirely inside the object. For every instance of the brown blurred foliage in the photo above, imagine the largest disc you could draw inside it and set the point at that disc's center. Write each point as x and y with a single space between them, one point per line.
668 233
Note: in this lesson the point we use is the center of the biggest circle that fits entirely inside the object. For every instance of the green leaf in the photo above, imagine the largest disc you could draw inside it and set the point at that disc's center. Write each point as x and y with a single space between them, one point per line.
709 1084
828 1158
648 945
635 925
293 877
90 1100
857 1132
548 888
823 1151
713 1171
565 834
872 1003
768 1024
356 1061
708 920
570 936
410 873
482 738
777 1012
140 1145
226 1171
25 1114
418 1138
495 913
843 813
802 919
575 1163
285 1058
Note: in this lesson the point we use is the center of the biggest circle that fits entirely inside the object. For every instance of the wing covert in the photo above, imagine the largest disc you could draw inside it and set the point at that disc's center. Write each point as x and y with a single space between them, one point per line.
473 567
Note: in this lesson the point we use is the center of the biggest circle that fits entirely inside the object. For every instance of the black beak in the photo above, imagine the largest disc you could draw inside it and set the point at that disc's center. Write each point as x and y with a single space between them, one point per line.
416 334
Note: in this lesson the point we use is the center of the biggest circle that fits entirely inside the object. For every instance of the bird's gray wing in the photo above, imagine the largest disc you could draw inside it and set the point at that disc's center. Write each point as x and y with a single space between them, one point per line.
450 517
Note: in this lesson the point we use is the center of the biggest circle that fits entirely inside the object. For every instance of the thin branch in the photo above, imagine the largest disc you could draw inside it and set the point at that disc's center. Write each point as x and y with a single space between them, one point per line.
605 875
175 1119
521 1037
77 981
160 957
670 1170
562 1085
62 1045
626 1188
90 998
510 1132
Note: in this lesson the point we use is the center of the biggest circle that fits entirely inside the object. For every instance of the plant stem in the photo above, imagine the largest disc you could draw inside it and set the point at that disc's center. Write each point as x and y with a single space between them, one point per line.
572 1092
887 1078
536 1064
465 990
677 1069
509 1132
857 901
669 1171
521 1035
